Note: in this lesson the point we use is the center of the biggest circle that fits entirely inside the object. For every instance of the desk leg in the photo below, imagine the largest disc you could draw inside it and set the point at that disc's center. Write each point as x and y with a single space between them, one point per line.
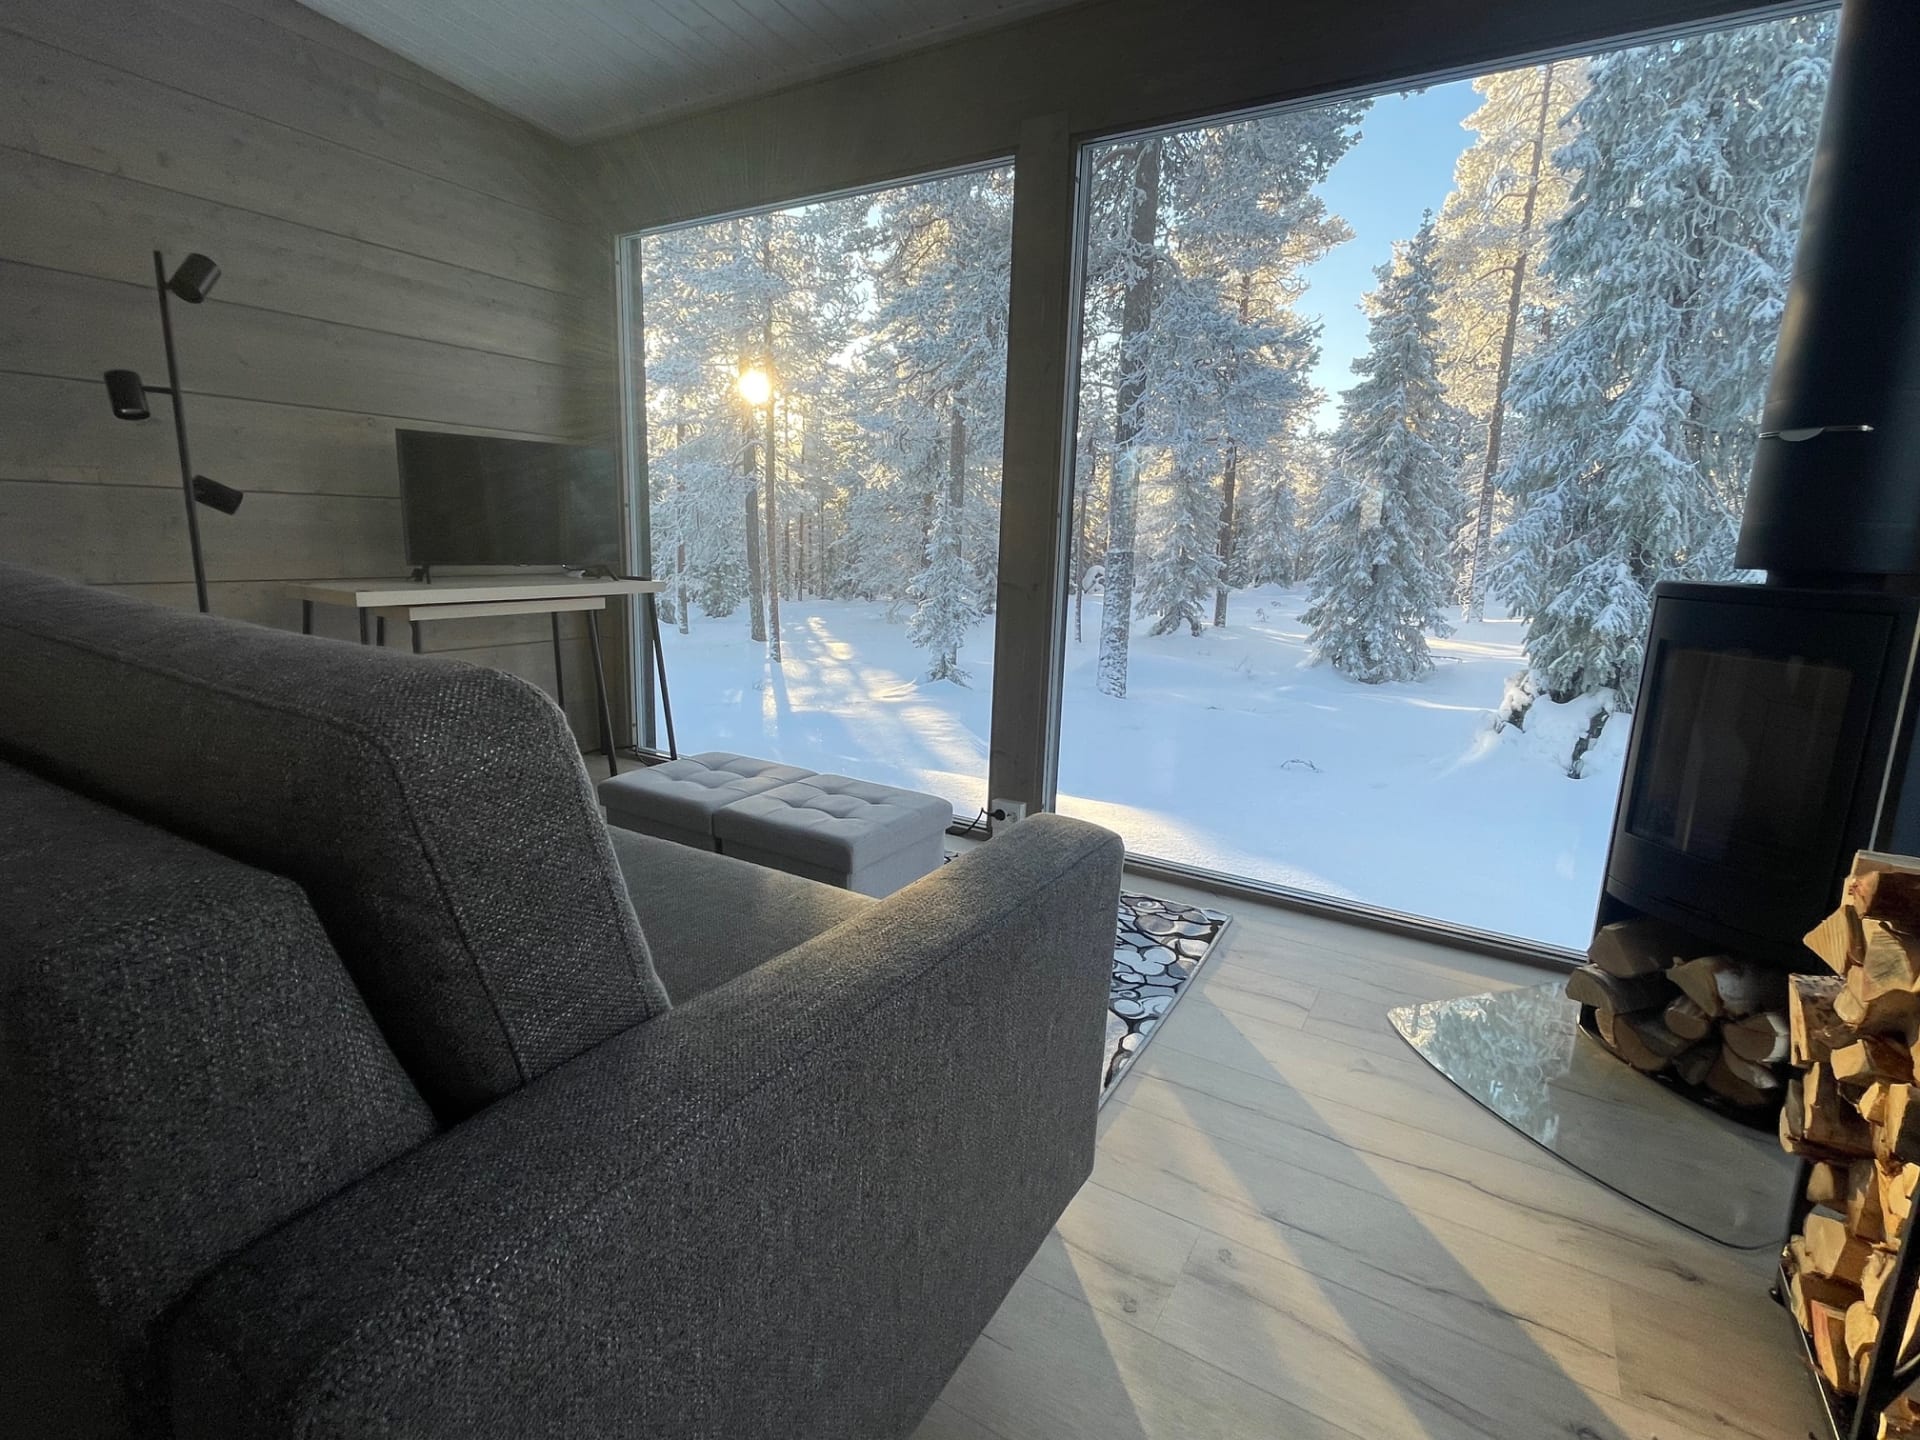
600 688
660 669
559 680
363 627
415 624
380 630
306 617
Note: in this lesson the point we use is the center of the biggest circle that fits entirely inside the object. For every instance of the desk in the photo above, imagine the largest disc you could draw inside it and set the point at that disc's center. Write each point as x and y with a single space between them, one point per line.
469 597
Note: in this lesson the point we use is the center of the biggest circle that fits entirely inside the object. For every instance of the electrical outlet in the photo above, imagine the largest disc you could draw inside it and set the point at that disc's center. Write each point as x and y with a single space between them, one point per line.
1005 812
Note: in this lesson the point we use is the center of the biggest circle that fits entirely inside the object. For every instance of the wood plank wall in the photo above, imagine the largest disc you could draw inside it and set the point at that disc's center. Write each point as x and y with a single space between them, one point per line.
394 252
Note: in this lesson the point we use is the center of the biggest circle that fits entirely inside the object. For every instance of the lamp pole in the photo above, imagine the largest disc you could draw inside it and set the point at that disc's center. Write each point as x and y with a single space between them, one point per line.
180 432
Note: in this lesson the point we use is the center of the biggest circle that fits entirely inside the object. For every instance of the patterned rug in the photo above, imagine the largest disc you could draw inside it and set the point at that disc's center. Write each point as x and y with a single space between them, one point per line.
1158 947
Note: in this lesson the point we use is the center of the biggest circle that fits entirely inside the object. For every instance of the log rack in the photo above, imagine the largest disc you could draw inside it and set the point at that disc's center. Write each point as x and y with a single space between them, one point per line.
1858 1417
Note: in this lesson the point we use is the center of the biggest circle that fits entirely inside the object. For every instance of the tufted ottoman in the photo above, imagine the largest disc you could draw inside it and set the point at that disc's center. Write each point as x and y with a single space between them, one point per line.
864 837
678 800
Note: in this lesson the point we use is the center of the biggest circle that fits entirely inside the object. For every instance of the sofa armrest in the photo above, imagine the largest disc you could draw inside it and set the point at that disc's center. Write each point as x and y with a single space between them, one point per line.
785 1208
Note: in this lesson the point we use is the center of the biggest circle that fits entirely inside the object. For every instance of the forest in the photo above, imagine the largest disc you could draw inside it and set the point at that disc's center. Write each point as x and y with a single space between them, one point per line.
1556 408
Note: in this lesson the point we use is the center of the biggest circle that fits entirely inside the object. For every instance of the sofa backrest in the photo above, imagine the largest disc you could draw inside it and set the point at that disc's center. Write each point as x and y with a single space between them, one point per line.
184 1065
437 814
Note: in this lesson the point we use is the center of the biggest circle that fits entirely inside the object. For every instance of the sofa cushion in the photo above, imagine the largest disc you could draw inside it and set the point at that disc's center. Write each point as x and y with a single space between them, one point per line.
184 1066
710 918
437 814
677 800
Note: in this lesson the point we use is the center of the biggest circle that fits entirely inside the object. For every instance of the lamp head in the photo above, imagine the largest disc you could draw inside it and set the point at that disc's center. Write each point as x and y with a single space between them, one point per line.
755 385
127 395
216 496
193 280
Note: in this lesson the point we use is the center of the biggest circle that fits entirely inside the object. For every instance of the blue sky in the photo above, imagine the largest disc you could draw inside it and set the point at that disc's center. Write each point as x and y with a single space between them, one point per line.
1402 166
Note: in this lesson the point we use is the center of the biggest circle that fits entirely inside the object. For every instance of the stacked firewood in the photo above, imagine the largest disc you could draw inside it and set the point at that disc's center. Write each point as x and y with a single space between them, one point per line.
1715 1022
1854 1113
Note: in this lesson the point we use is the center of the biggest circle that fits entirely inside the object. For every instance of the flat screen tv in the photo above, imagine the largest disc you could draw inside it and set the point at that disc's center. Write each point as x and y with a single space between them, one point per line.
478 500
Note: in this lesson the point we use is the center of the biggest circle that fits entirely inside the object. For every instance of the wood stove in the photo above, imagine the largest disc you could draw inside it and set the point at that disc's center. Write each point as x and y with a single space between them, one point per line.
1775 737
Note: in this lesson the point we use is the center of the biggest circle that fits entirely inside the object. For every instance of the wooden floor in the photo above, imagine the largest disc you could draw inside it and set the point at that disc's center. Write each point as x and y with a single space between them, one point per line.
1295 1229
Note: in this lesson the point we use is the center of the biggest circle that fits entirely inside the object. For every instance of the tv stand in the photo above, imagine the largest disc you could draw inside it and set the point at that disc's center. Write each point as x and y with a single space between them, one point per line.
471 597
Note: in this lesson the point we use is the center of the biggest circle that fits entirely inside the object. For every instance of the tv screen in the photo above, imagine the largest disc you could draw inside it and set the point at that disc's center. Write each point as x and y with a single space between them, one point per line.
478 500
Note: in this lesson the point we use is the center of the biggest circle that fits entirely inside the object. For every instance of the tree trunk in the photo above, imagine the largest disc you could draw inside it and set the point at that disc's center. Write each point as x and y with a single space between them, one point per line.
1083 501
1229 478
1136 315
1503 375
680 575
957 476
772 566
756 585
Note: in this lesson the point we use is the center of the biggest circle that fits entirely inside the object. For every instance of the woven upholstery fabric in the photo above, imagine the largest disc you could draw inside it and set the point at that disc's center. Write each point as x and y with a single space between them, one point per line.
709 918
784 1209
833 821
184 1065
677 800
437 814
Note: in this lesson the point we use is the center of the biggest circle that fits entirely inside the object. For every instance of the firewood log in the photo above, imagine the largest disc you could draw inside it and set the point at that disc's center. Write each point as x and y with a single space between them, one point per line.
1607 1023
1897 1136
1695 1064
1629 949
1864 1215
1830 1347
1793 1130
1815 1286
1838 939
1892 896
1827 1121
1832 1251
1760 1077
1875 1275
1873 1058
1644 1042
1886 887
1872 1103
1764 1038
1827 1185
1686 1019
1862 1330
1892 959
1897 1182
1863 1333
1813 1027
1722 985
1880 991
1591 985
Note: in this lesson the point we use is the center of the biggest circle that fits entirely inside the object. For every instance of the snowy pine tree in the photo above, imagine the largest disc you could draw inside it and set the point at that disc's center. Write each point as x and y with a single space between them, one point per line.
1383 577
1691 161
1178 580
1196 243
1495 304
943 592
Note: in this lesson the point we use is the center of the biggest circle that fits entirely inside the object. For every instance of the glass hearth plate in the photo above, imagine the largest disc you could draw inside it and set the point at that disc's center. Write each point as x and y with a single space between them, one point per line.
1522 1054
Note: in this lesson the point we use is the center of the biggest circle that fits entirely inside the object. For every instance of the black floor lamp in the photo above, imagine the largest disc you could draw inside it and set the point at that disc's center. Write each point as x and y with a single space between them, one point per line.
192 282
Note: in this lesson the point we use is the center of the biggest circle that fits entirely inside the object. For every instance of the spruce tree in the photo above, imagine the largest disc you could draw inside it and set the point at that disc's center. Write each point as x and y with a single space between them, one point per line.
1184 568
1691 160
1383 578
943 592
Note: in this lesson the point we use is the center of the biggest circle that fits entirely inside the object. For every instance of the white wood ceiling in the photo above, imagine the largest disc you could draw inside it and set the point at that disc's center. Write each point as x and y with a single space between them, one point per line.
585 69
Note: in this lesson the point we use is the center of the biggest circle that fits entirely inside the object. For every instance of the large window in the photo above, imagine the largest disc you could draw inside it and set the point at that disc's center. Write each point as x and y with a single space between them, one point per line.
822 390
1392 413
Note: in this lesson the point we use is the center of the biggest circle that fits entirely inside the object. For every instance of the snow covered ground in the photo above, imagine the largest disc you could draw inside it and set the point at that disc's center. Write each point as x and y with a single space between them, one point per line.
1231 751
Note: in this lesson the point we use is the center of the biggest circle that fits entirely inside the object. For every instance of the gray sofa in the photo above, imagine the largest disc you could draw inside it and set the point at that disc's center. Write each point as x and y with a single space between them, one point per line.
345 1094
